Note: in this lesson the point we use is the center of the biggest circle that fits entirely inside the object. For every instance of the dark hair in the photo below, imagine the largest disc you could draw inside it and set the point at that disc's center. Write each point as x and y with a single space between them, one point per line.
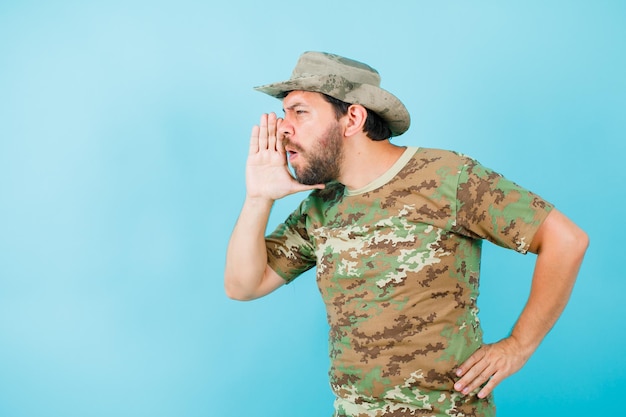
375 127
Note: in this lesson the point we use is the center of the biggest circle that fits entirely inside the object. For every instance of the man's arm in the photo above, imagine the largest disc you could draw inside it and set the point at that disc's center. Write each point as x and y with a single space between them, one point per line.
247 275
560 246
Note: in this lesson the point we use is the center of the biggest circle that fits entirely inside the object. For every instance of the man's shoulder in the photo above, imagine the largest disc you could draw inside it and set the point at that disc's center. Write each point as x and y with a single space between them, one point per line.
444 155
435 162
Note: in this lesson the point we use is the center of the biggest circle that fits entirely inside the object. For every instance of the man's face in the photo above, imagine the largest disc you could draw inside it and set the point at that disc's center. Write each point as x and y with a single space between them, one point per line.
312 137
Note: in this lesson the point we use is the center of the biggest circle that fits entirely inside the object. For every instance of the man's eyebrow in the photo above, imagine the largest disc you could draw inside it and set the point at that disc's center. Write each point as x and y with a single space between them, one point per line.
293 106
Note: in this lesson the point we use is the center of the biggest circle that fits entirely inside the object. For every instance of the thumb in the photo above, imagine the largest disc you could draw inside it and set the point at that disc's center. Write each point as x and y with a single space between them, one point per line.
303 187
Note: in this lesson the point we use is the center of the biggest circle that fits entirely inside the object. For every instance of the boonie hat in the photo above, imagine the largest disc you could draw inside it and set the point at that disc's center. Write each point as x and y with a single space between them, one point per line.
347 80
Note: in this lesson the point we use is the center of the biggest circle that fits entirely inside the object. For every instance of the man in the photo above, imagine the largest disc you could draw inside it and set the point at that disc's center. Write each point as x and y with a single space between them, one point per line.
395 234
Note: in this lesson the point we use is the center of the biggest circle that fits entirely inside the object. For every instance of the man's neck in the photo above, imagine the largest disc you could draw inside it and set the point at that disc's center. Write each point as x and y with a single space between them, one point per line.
365 160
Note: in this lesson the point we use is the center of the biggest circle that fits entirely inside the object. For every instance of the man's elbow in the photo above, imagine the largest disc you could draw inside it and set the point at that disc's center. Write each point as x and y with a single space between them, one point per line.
560 235
581 241
247 286
574 241
236 292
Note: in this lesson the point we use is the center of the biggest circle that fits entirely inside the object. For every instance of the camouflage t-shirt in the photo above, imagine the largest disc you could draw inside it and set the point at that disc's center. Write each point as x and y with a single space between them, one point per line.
398 268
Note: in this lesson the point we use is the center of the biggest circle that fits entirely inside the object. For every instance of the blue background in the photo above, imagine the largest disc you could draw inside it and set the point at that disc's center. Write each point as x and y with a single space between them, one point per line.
123 137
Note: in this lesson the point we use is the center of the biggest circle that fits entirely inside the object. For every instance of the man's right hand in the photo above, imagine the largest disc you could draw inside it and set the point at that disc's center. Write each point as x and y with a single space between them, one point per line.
267 172
247 275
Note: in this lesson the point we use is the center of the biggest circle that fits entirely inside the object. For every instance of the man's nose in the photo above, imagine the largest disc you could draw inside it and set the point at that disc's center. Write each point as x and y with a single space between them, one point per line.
285 128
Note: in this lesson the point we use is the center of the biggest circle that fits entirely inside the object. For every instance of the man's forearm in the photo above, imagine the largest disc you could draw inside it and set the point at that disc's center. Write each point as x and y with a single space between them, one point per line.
555 272
246 256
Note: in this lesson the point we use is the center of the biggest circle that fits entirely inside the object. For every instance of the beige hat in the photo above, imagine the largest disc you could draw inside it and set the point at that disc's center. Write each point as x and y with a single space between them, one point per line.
347 80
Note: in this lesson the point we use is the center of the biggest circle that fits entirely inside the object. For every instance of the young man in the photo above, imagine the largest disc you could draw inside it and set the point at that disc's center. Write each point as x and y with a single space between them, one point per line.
395 234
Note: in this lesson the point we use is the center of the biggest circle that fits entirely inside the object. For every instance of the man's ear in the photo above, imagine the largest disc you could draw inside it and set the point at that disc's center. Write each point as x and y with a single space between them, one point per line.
355 119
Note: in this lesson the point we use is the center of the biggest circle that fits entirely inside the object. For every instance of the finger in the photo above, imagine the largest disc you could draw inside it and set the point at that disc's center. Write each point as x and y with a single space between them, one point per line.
254 140
263 133
479 379
470 362
471 370
472 379
271 131
491 385
280 144
301 187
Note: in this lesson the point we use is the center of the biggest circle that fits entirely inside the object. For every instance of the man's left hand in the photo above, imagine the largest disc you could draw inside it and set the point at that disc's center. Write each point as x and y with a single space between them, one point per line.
489 365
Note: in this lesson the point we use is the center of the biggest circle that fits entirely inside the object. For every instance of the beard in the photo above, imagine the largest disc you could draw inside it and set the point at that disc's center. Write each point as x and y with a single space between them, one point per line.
324 160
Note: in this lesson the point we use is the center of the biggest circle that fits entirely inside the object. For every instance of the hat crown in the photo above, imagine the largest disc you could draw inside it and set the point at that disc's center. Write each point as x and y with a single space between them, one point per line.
323 63
344 79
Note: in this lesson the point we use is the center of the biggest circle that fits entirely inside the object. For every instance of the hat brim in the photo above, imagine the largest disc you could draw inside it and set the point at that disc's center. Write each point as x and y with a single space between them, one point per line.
385 104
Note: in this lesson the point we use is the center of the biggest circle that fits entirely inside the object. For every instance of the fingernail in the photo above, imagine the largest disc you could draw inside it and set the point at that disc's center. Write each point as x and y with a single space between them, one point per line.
459 372
466 391
458 386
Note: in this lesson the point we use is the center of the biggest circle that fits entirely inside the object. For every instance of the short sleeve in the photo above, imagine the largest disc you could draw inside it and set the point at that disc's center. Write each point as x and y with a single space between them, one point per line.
491 207
290 251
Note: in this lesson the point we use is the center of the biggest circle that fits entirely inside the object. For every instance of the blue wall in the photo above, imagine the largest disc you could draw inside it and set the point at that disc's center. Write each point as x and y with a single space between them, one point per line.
123 138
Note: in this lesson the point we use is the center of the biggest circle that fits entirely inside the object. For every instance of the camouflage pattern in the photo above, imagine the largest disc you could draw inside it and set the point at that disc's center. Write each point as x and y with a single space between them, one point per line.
398 268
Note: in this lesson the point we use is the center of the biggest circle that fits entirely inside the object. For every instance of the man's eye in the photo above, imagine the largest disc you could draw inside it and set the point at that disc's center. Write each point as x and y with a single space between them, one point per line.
300 112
